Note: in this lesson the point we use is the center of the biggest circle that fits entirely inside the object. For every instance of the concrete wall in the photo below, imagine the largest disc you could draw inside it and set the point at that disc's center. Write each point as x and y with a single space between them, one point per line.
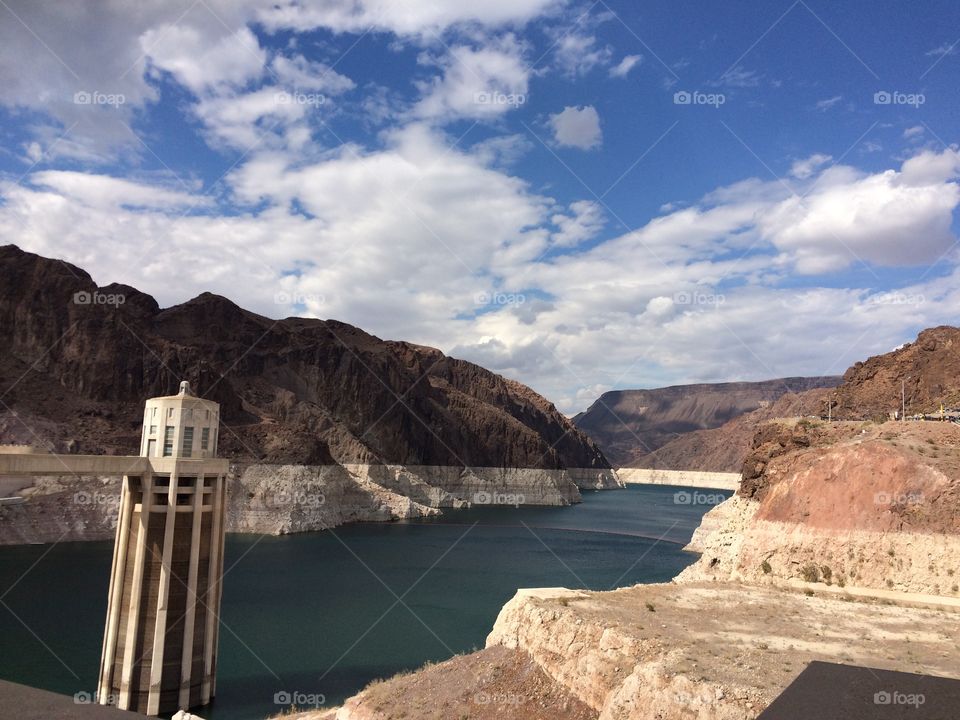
688 478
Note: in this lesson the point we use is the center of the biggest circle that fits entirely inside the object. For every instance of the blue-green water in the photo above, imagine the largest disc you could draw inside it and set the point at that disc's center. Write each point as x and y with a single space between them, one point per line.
319 613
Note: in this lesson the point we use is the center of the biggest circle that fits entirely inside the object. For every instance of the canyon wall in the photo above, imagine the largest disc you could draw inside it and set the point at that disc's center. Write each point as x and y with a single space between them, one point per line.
280 499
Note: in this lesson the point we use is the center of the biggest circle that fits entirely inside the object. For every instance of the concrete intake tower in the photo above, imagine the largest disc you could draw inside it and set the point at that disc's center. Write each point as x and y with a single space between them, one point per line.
160 642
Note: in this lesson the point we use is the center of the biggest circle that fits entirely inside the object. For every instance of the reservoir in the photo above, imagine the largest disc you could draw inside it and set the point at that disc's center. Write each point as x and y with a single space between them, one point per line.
318 616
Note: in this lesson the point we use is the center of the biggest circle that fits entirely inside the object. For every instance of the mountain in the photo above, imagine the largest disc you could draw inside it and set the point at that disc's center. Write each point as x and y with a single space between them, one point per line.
869 390
929 368
79 360
630 424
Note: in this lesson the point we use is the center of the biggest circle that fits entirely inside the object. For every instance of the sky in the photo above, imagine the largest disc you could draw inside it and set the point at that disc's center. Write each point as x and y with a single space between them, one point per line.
581 196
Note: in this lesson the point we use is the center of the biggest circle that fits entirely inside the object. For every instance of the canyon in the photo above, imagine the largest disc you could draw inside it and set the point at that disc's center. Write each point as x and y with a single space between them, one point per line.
388 429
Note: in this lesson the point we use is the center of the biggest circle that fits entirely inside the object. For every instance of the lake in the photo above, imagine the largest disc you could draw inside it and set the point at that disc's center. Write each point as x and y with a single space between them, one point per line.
322 614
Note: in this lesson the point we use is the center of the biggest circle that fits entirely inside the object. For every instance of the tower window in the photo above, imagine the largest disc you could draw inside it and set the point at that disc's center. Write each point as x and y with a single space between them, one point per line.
187 449
167 441
153 430
205 439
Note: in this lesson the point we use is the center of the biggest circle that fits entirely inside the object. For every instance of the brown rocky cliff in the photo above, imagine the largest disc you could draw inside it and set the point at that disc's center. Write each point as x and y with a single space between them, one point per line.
295 390
632 425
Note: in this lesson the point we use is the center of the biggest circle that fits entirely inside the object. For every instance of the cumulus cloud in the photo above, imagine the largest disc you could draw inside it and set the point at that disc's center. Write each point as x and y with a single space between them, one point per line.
622 68
476 83
578 53
577 127
802 169
695 294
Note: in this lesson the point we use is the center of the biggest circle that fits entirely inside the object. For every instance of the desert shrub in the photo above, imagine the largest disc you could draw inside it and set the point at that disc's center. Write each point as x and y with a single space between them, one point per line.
765 566
810 573
826 572
651 607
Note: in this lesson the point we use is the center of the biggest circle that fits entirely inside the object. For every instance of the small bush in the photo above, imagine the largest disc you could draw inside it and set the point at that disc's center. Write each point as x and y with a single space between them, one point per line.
808 592
810 573
841 581
827 572
651 607
765 566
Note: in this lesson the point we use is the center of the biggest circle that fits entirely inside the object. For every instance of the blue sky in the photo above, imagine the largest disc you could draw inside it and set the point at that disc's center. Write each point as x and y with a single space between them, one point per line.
582 196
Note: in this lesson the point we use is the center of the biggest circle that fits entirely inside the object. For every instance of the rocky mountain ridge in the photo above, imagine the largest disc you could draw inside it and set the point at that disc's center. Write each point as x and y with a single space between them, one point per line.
77 369
630 425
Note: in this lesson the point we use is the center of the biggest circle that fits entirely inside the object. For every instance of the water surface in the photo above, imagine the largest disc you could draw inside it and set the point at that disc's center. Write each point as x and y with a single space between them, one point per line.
325 613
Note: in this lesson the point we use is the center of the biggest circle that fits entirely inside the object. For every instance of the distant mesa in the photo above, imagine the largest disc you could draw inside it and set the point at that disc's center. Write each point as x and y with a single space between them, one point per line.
630 425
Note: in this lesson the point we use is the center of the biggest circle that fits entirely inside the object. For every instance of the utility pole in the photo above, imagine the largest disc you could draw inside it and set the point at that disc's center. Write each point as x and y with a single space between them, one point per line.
903 400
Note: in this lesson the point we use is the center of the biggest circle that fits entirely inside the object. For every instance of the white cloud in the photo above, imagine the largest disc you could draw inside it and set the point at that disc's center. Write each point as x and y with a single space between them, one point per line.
584 222
802 169
913 132
476 83
945 49
201 63
577 127
625 66
410 18
578 53
827 103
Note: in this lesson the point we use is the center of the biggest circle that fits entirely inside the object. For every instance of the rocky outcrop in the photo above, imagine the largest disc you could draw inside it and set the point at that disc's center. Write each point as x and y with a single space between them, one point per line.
711 651
80 359
629 425
281 499
926 371
866 506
